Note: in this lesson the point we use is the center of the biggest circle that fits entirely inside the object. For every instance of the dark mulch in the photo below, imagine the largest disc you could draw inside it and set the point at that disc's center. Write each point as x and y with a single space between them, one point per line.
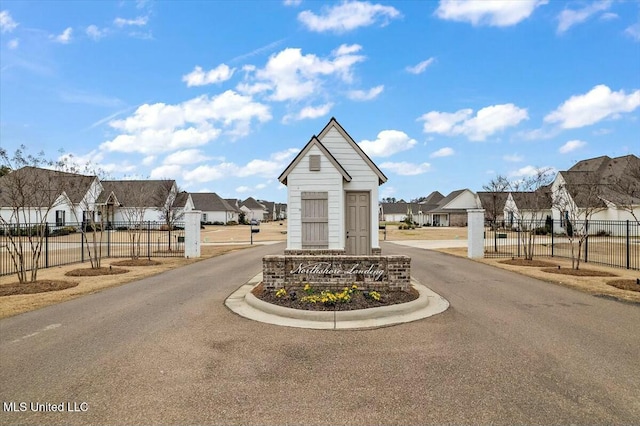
525 262
136 262
579 272
35 287
94 272
358 300
625 284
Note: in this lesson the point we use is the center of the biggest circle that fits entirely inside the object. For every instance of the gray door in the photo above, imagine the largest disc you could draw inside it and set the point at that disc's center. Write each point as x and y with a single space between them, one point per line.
358 240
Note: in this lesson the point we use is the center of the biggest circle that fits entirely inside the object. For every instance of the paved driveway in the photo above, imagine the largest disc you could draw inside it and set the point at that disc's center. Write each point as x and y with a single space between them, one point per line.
510 350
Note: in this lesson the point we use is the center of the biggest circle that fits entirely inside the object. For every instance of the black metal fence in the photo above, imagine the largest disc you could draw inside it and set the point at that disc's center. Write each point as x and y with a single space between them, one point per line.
605 242
75 243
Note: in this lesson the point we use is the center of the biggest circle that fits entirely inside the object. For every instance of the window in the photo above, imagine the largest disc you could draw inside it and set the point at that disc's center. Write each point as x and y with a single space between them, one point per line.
60 217
314 163
204 217
315 220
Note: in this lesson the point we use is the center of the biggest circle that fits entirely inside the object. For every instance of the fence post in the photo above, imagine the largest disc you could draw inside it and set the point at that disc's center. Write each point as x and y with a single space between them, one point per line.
46 245
109 241
518 235
628 247
83 228
552 243
149 240
586 241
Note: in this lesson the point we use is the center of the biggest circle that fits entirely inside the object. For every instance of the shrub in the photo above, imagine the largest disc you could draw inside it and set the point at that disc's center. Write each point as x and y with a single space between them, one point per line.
602 233
541 230
232 223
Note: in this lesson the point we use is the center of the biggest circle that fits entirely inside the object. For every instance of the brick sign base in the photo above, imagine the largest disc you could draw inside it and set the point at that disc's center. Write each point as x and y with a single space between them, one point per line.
337 271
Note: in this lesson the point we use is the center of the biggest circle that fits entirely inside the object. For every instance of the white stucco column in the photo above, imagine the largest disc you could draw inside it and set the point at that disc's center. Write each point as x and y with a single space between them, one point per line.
192 233
475 233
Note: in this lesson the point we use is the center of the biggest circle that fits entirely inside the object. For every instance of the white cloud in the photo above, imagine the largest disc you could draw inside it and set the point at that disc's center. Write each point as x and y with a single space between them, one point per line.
160 127
633 31
496 13
187 156
571 146
140 21
513 158
348 16
290 75
148 160
198 77
292 2
261 186
243 189
309 112
388 143
597 104
64 37
529 171
365 95
166 171
7 24
95 33
486 122
406 169
419 68
568 18
13 44
609 16
442 152
267 168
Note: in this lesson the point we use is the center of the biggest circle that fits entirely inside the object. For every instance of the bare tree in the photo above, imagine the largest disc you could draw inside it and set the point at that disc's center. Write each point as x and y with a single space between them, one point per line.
496 189
90 213
33 188
578 198
167 197
532 197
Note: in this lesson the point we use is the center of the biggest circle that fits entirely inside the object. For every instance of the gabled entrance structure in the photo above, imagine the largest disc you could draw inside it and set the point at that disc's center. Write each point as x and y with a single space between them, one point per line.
332 196
332 229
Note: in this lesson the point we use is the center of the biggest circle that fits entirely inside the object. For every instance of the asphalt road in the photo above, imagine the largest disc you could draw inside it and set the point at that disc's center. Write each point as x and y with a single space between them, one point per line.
165 350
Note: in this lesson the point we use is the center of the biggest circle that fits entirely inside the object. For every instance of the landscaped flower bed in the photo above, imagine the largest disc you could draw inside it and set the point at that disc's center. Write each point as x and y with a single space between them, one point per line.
345 299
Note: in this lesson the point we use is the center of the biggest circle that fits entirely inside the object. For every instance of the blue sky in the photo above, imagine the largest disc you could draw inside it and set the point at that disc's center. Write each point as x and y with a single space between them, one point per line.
221 95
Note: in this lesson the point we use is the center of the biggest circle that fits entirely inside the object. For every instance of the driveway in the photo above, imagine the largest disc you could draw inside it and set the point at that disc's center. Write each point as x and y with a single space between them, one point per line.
165 350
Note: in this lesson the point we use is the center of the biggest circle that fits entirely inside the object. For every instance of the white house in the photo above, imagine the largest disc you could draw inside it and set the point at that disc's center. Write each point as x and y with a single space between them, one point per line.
35 195
214 208
598 189
527 206
253 210
452 209
136 201
332 195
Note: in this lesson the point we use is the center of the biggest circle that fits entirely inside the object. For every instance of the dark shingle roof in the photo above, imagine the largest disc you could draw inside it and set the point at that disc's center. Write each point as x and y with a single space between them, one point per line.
399 208
42 187
613 179
532 200
210 202
252 204
487 200
136 193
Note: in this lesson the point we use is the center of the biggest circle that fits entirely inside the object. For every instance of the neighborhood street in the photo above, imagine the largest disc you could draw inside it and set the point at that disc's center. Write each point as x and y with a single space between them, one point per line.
165 350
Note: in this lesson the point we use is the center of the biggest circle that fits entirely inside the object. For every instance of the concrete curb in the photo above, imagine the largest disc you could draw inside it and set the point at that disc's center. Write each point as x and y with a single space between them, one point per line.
245 304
